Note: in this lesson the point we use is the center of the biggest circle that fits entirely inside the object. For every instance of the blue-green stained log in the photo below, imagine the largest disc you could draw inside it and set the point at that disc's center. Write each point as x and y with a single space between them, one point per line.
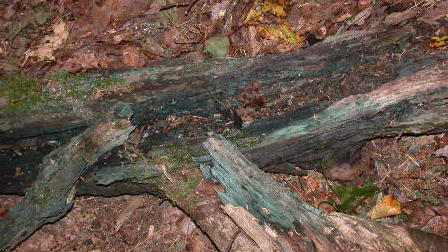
412 105
270 202
206 87
52 194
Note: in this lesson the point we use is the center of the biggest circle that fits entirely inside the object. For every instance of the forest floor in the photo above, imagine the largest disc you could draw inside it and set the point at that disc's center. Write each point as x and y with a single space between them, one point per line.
76 36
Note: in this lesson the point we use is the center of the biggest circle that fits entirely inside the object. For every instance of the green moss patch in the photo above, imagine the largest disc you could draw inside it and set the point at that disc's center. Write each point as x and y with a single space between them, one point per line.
20 92
351 196
78 86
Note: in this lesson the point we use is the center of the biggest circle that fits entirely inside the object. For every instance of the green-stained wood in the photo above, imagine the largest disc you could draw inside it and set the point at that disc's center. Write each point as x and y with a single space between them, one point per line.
247 186
203 88
272 203
321 131
415 104
52 194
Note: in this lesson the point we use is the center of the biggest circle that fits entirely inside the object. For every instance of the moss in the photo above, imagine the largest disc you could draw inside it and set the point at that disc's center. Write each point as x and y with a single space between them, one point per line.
20 92
24 93
351 196
176 156
182 191
242 140
37 16
249 144
428 197
234 137
179 158
79 85
324 164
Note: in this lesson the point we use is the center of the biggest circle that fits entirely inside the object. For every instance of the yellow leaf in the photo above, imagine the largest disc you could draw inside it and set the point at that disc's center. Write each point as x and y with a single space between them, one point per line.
386 207
274 7
282 33
277 29
438 42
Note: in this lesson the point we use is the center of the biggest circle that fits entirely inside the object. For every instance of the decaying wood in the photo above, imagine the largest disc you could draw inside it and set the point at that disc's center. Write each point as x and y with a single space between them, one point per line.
408 98
416 104
265 238
247 186
52 194
201 96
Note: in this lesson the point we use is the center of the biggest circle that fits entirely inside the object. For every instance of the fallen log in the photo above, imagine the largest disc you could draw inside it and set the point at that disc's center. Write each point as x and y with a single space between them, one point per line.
248 187
300 90
203 95
51 195
413 105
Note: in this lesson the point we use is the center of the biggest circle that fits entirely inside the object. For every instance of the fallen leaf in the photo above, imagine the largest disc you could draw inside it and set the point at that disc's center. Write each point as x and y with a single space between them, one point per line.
442 152
362 4
278 29
4 211
251 95
132 56
206 189
386 207
218 46
50 43
282 33
437 42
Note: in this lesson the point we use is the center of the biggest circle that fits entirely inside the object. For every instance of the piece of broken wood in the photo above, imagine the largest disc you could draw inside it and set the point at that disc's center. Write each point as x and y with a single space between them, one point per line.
51 195
273 204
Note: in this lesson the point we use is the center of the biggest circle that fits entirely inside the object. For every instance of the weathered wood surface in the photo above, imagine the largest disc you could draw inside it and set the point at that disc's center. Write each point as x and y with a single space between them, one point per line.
201 90
202 96
270 202
51 196
208 87
416 104
412 105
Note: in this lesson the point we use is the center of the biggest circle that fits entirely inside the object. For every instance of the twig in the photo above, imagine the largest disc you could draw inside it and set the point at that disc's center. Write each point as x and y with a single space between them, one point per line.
192 3
169 6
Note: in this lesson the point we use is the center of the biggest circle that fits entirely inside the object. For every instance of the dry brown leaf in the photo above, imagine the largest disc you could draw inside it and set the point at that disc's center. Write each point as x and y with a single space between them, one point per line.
132 56
442 152
386 207
50 43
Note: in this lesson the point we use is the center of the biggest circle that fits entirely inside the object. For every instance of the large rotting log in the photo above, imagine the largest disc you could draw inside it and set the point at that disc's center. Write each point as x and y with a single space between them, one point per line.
247 186
203 96
209 87
51 196
416 104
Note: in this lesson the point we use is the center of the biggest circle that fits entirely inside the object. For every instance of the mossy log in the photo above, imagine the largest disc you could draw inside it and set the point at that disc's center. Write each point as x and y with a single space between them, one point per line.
300 114
246 186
